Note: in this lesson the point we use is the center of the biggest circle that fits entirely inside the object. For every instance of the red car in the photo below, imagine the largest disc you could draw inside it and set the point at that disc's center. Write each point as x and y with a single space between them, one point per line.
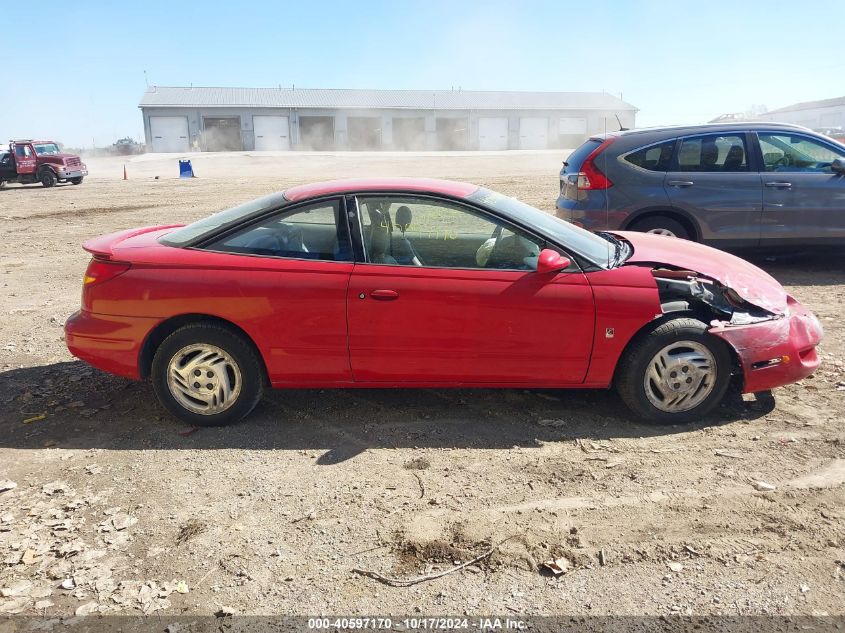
427 283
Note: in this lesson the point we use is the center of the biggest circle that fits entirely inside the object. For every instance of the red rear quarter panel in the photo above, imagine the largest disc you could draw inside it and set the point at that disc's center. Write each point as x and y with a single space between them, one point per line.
294 310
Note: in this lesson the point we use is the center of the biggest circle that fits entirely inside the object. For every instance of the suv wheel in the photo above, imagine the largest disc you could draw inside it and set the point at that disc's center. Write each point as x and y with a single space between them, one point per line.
676 373
662 225
48 178
76 181
207 375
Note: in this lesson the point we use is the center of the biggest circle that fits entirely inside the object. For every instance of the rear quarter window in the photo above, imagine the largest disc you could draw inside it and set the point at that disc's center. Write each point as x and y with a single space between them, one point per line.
573 163
653 158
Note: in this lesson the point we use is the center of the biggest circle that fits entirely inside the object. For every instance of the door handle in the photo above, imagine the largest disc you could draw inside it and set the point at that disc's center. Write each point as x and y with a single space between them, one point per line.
779 185
680 183
384 295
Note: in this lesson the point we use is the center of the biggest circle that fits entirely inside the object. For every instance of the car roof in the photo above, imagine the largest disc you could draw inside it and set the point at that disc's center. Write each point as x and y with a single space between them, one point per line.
353 185
706 127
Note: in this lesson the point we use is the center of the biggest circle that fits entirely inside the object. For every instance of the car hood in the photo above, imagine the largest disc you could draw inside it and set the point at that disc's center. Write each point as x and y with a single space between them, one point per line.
753 284
56 158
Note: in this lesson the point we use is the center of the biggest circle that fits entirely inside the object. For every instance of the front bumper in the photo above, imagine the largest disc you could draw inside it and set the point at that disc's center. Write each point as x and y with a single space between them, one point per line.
778 352
76 173
110 343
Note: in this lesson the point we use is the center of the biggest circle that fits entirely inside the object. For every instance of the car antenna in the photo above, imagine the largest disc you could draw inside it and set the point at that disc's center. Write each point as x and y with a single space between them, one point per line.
621 128
606 196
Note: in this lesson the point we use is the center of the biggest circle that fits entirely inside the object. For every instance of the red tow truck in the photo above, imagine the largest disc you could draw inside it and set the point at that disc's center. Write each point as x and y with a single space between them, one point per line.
27 162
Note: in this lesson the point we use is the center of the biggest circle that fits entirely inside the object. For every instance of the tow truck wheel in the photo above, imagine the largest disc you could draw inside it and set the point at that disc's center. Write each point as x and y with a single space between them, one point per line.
76 181
48 178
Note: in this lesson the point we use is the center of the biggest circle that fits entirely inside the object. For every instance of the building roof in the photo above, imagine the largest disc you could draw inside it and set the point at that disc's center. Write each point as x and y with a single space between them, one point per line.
810 105
428 185
184 97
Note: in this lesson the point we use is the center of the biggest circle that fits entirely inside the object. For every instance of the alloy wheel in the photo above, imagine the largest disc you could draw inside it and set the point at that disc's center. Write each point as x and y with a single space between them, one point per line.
204 379
680 376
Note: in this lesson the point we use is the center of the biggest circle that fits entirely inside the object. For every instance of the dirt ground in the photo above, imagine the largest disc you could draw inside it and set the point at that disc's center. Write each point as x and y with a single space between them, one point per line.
119 508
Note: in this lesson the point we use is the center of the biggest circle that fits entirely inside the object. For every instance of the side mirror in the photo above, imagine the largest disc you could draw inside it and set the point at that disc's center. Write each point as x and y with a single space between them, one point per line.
838 165
551 261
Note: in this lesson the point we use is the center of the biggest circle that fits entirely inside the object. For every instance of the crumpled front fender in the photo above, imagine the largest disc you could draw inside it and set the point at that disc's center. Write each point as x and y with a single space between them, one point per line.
776 352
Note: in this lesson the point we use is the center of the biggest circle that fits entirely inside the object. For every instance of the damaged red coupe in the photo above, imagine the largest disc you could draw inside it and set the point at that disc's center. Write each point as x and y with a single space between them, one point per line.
427 283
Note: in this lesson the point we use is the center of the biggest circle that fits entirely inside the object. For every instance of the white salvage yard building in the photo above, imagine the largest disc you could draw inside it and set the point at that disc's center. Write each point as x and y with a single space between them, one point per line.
179 119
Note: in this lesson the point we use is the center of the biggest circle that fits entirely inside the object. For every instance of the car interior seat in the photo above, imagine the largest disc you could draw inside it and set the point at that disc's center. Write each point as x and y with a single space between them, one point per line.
709 155
265 244
380 235
404 251
735 158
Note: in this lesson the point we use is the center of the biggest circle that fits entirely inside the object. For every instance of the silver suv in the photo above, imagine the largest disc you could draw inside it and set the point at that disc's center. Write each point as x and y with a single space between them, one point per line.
728 185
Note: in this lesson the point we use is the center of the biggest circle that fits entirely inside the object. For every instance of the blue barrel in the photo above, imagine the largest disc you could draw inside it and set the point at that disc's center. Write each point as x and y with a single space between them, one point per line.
185 169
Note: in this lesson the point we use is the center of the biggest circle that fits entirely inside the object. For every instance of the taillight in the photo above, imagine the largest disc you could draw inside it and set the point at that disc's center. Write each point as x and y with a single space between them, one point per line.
591 177
100 271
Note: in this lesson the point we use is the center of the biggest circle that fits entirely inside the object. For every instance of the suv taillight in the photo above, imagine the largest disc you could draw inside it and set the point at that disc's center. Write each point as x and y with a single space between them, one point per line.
100 271
591 178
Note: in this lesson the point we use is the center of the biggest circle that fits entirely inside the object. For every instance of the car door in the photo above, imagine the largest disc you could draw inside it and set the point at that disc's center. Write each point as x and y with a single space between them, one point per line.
448 294
25 160
714 179
803 198
283 279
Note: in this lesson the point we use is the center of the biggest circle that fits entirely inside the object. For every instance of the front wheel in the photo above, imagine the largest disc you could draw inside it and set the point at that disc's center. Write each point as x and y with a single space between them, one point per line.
207 375
675 373
48 178
76 181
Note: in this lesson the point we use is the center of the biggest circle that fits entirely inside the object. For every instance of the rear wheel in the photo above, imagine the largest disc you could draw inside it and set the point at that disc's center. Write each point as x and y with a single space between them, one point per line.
662 225
207 375
675 373
76 181
48 178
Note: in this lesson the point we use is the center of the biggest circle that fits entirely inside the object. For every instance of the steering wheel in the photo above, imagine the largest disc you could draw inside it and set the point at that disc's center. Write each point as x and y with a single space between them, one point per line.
786 160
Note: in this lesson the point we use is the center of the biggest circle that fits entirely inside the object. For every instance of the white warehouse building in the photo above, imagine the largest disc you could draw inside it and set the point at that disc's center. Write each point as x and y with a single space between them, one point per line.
180 119
816 115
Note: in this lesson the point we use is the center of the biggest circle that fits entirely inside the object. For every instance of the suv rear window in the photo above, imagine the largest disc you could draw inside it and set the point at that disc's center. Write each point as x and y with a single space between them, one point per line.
573 163
654 157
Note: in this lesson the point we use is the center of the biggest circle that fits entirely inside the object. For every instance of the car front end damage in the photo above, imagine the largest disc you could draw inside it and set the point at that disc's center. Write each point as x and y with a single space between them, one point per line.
773 347
773 336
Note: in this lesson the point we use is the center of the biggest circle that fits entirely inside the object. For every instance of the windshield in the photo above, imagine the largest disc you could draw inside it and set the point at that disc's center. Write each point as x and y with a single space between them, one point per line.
597 249
46 149
193 232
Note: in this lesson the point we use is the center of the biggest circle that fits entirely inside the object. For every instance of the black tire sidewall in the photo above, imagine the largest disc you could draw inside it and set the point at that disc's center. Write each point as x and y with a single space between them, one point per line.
48 178
631 385
662 222
76 181
252 379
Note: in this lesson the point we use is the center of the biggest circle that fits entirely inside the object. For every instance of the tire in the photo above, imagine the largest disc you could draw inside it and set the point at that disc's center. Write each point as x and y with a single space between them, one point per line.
662 225
76 181
48 178
225 362
2 184
694 357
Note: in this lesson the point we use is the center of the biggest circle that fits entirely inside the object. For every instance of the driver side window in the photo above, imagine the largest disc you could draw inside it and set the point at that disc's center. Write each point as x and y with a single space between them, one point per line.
786 153
316 231
409 231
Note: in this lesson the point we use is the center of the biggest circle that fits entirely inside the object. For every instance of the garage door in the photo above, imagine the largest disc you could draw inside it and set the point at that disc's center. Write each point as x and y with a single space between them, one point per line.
533 133
170 133
271 133
492 133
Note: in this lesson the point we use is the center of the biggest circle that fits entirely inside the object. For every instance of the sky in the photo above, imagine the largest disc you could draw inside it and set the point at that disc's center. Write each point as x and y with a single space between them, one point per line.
79 71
